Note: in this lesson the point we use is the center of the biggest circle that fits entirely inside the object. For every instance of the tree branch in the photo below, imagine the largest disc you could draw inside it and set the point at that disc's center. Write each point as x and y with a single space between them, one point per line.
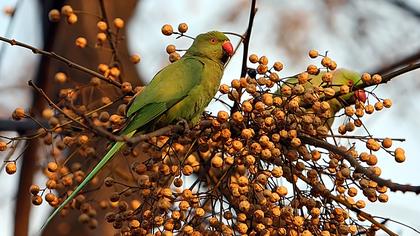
69 63
359 168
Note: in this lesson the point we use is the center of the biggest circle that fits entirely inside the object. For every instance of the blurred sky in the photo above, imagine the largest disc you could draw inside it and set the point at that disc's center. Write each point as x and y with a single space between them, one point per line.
359 35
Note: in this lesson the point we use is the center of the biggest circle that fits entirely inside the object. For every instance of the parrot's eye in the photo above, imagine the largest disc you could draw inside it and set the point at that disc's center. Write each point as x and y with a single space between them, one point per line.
213 40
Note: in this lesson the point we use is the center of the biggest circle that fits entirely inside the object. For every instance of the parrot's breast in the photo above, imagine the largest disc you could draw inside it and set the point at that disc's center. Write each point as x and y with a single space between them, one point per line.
193 105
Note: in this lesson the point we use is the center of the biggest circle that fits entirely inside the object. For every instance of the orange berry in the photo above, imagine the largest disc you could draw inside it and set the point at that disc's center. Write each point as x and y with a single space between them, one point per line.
222 116
11 168
399 155
183 27
72 19
312 70
376 79
263 60
313 53
60 77
18 114
170 48
126 87
3 146
224 88
167 30
102 26
278 66
101 37
326 61
83 139
173 57
81 42
327 77
253 58
52 166
54 15
34 189
366 78
135 58
37 200
66 10
387 103
119 23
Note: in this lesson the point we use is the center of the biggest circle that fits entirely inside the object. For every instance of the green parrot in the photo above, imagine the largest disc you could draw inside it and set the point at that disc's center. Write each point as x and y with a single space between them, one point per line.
339 77
181 90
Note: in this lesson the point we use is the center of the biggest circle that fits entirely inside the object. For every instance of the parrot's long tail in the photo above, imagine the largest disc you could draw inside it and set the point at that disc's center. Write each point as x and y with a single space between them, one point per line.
108 156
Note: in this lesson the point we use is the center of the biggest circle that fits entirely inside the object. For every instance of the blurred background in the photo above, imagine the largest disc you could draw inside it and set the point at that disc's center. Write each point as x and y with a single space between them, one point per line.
366 36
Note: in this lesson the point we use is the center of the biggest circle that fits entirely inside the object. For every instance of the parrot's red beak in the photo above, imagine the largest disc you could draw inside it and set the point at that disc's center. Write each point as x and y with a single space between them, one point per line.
360 95
228 48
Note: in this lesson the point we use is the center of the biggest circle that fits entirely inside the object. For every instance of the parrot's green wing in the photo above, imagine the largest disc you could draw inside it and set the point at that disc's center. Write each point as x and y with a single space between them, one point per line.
169 86
340 77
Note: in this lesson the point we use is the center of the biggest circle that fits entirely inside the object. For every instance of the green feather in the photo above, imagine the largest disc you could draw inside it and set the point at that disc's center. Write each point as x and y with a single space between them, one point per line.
340 77
181 90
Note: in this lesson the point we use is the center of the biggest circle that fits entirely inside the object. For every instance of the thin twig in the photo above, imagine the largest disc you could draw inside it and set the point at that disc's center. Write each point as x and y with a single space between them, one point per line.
108 32
52 104
359 168
69 63
367 216
246 40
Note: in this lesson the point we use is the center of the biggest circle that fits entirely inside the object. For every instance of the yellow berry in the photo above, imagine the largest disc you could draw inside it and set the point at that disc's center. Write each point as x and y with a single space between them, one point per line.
366 78
119 23
326 61
278 66
224 88
167 29
387 103
173 57
313 53
83 139
72 18
183 27
170 48
52 166
312 70
34 189
18 114
303 77
54 15
11 168
81 42
66 10
37 200
102 26
126 87
327 77
253 58
376 79
222 116
263 60
60 77
399 155
135 58
3 146
101 37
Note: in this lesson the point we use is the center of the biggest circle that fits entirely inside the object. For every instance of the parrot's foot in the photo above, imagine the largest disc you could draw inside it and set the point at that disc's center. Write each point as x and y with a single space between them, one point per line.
184 123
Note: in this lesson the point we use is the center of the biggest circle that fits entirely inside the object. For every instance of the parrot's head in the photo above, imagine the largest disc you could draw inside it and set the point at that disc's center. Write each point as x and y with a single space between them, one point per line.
214 45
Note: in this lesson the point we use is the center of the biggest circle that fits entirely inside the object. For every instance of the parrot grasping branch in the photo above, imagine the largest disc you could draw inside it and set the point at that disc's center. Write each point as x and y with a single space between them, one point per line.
181 90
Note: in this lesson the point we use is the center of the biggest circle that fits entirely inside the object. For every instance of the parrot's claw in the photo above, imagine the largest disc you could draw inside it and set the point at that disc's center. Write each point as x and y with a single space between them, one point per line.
184 123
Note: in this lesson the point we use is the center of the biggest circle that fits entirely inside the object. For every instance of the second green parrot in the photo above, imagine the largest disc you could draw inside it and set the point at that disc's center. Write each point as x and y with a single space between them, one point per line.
339 77
181 90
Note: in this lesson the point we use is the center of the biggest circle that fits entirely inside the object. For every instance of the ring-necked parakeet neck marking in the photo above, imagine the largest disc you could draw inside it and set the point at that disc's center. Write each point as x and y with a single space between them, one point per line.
181 90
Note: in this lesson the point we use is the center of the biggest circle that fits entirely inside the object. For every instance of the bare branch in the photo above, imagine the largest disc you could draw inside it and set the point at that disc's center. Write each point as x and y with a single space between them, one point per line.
69 63
359 168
